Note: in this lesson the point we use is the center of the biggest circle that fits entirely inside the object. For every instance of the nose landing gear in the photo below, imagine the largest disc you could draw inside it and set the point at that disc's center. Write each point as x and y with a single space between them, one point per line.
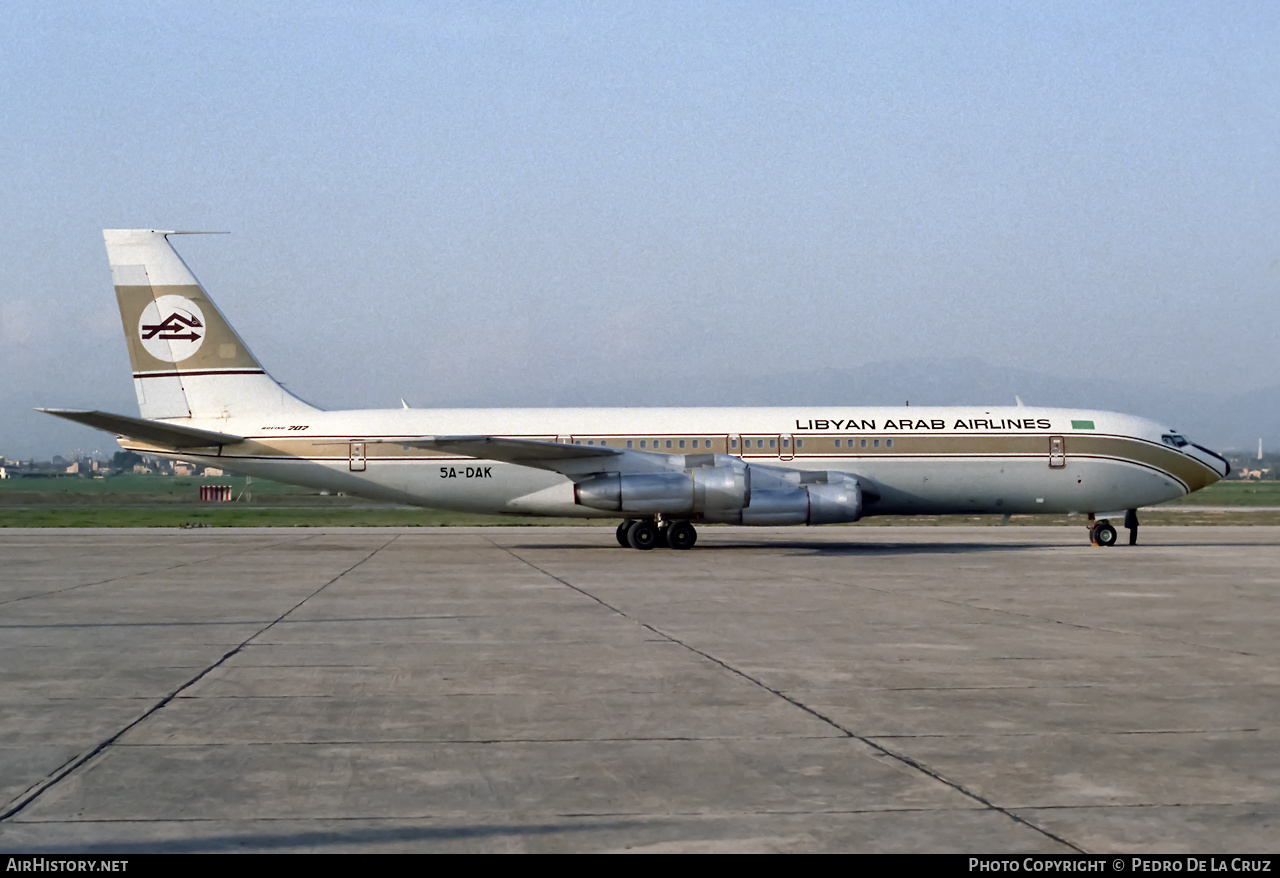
1102 533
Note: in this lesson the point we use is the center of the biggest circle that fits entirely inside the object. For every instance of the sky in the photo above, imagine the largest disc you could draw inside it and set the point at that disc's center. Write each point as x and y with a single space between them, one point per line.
547 203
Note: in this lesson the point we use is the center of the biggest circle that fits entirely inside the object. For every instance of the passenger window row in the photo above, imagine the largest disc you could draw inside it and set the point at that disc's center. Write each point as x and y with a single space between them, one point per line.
657 444
748 444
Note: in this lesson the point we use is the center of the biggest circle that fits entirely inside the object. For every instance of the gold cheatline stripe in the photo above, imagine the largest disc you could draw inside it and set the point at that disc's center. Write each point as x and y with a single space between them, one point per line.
1191 473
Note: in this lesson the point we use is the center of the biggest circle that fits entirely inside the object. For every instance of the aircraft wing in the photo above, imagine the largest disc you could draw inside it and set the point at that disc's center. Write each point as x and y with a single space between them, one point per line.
574 461
509 450
580 462
142 429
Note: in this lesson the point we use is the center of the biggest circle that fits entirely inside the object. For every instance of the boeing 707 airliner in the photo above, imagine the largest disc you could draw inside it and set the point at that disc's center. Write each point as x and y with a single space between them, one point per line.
204 398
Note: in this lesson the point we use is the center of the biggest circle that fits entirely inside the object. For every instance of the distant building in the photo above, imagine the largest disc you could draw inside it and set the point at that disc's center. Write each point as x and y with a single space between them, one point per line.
212 472
74 469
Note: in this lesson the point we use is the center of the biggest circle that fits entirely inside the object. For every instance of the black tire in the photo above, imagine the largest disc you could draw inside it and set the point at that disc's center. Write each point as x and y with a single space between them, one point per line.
622 533
681 535
642 535
1104 534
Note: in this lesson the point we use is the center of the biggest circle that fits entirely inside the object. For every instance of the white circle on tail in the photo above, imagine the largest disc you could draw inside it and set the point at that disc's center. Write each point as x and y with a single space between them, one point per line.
171 328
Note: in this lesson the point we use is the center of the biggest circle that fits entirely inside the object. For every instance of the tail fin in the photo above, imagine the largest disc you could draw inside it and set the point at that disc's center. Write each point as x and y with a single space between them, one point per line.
187 360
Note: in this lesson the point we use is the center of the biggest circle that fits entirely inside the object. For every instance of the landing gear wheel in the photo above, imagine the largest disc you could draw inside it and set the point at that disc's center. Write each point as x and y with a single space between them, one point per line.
642 535
681 535
1103 534
622 533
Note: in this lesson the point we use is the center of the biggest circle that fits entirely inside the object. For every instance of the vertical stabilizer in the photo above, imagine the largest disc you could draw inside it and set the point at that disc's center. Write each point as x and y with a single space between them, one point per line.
187 360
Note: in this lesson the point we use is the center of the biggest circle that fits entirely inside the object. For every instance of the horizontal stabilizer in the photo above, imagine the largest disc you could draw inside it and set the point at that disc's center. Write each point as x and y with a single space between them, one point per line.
157 432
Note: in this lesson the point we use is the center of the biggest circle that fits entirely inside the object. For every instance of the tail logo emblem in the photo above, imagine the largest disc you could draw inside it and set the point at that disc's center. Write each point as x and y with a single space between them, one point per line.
171 328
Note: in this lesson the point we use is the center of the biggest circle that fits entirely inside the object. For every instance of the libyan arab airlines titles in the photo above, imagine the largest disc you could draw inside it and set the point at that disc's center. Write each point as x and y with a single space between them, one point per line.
932 424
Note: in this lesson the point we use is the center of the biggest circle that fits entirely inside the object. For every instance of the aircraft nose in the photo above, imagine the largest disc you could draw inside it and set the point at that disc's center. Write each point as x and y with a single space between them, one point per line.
1215 460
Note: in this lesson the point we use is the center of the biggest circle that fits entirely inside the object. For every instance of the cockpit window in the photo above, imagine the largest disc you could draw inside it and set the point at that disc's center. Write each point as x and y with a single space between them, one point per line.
1174 440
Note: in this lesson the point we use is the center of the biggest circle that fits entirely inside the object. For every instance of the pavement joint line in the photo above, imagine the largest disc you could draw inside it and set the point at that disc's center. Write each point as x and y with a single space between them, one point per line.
450 815
1254 804
645 739
1051 734
332 621
728 813
41 594
900 757
31 794
468 742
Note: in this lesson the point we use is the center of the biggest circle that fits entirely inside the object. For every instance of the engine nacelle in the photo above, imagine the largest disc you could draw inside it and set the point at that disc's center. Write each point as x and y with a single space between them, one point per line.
718 489
705 490
831 498
776 508
723 493
838 501
641 493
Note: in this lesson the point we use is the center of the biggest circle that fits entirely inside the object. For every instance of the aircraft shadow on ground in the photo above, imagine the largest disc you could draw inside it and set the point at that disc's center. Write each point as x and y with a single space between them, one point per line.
313 839
883 548
799 547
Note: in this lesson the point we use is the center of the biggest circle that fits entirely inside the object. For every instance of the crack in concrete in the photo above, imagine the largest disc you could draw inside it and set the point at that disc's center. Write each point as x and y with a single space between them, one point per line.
846 732
31 794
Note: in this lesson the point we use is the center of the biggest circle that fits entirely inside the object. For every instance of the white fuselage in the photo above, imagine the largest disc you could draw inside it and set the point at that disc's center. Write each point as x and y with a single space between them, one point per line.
920 460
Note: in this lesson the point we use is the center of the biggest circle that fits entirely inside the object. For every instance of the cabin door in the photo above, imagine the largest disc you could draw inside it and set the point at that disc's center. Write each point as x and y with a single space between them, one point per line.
1057 451
357 457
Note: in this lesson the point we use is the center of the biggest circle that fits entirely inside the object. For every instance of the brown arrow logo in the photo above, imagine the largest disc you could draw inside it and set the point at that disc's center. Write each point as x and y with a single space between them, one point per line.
171 328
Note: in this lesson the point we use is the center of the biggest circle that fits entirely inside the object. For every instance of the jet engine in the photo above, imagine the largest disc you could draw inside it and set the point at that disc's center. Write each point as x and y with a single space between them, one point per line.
820 498
692 492
728 492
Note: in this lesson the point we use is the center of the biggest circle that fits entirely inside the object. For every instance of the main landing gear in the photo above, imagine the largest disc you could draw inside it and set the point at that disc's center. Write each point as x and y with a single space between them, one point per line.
1102 533
648 534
